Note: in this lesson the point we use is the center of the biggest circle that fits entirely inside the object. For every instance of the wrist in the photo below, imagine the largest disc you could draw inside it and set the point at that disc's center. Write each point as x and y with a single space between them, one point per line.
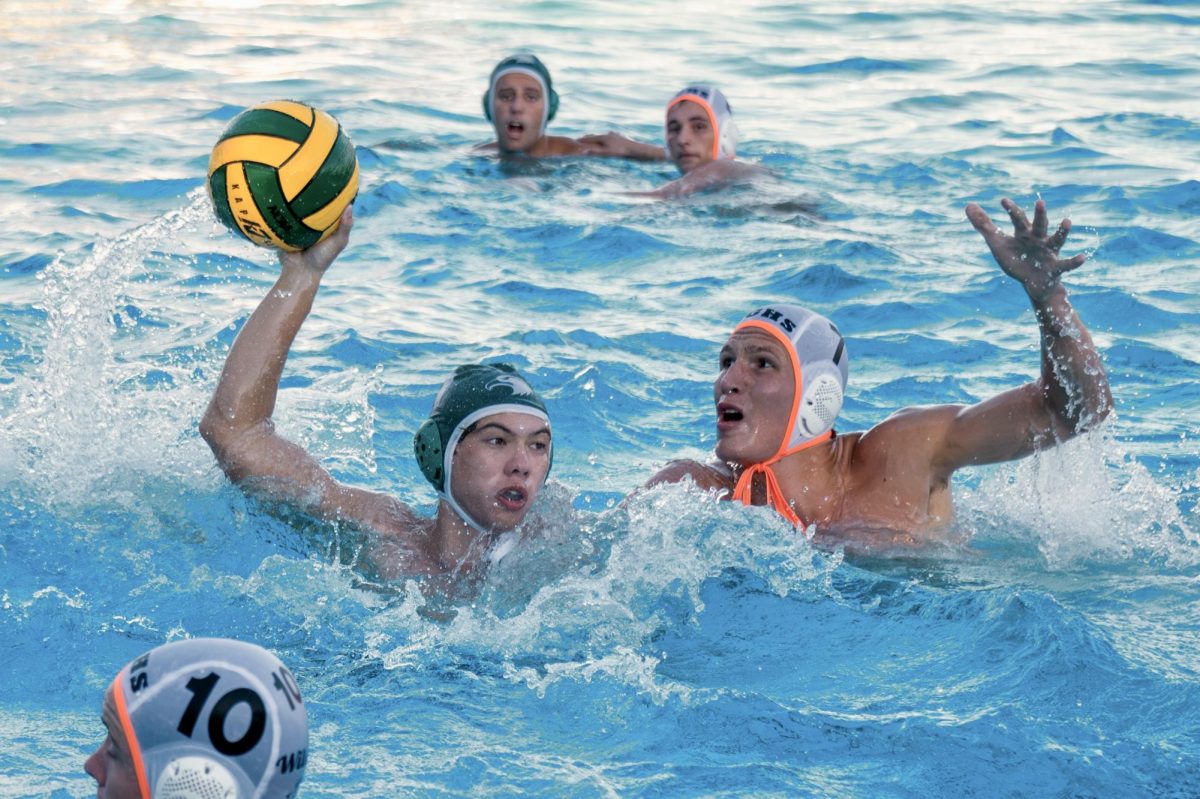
1054 312
1048 297
296 275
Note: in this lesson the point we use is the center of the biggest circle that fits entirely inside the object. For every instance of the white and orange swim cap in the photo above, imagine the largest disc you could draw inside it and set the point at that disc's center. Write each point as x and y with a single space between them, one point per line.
720 116
819 362
212 717
821 368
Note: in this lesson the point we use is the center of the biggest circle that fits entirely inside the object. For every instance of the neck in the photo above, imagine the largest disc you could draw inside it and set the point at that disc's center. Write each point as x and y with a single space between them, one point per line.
807 481
456 546
538 149
812 481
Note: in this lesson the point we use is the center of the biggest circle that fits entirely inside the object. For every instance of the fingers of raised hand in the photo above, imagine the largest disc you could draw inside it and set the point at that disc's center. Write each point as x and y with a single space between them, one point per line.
1059 238
980 219
1039 220
1019 220
1067 264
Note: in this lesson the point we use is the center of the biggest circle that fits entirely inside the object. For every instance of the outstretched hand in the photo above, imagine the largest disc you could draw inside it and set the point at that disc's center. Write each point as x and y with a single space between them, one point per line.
615 145
318 257
1029 255
610 143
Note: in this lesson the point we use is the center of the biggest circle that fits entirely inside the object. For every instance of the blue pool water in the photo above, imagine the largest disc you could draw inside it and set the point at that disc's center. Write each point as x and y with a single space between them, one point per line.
674 647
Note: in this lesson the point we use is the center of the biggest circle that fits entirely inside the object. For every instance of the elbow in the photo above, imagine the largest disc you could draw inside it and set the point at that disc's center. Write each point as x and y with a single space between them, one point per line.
211 426
1097 415
221 435
1100 407
1092 415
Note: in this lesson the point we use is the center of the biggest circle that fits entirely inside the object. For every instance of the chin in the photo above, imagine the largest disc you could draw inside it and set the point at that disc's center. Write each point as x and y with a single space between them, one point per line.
741 456
727 453
503 523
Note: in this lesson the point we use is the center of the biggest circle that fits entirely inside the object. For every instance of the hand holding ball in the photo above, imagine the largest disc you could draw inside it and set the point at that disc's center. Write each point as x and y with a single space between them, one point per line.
281 175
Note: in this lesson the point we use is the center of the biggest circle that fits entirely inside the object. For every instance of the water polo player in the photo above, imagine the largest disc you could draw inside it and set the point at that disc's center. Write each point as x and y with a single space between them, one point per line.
520 101
205 717
701 139
486 448
780 386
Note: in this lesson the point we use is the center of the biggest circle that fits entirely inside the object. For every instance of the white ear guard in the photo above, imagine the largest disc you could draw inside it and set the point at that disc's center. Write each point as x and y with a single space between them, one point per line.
820 403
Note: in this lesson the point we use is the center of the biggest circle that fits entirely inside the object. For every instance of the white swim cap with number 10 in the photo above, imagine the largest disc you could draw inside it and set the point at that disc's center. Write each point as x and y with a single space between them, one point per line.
213 718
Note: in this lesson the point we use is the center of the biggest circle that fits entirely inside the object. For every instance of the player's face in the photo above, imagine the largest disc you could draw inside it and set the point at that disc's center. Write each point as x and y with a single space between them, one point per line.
111 766
753 395
689 135
499 467
517 109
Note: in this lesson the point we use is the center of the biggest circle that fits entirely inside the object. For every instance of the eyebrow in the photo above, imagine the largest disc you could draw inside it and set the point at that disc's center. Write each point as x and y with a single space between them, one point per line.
499 426
755 348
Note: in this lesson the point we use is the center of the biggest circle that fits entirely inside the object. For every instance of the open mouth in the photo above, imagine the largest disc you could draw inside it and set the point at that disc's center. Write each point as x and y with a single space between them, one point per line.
513 498
515 129
728 415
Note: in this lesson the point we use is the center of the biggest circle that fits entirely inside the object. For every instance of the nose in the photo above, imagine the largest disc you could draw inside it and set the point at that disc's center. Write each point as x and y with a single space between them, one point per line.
94 766
521 460
731 380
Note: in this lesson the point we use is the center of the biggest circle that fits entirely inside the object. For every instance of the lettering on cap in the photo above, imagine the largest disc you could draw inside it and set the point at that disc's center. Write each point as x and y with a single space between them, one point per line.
775 316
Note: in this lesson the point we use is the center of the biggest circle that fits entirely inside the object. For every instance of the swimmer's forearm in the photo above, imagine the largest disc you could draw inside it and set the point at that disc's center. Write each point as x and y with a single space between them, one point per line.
647 152
249 383
1073 375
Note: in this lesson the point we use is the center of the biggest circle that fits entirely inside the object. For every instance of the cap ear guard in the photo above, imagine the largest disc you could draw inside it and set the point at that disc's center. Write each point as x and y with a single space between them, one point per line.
427 444
195 777
822 399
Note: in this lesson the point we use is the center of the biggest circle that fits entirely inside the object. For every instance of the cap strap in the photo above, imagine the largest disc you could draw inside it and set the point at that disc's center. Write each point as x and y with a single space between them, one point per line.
135 749
775 498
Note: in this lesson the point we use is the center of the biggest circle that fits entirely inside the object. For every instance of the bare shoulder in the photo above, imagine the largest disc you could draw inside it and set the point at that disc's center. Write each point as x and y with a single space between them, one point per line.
376 512
399 540
742 169
907 447
916 426
727 170
563 146
707 476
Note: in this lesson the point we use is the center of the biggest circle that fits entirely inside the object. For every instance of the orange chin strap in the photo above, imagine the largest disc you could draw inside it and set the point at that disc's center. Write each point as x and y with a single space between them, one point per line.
743 490
135 749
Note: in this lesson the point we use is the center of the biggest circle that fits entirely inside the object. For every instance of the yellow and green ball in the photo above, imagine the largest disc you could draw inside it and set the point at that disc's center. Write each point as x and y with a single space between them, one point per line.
281 174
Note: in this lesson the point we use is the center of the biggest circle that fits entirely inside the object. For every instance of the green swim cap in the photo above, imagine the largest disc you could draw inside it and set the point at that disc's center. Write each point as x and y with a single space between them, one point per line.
471 393
528 64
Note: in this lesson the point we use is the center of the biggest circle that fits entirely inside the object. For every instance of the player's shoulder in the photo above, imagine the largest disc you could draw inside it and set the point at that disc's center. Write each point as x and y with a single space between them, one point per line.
916 426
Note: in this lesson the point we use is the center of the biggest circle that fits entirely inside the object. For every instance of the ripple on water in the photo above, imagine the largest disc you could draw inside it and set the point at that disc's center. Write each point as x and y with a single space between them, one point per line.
1183 196
1133 244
